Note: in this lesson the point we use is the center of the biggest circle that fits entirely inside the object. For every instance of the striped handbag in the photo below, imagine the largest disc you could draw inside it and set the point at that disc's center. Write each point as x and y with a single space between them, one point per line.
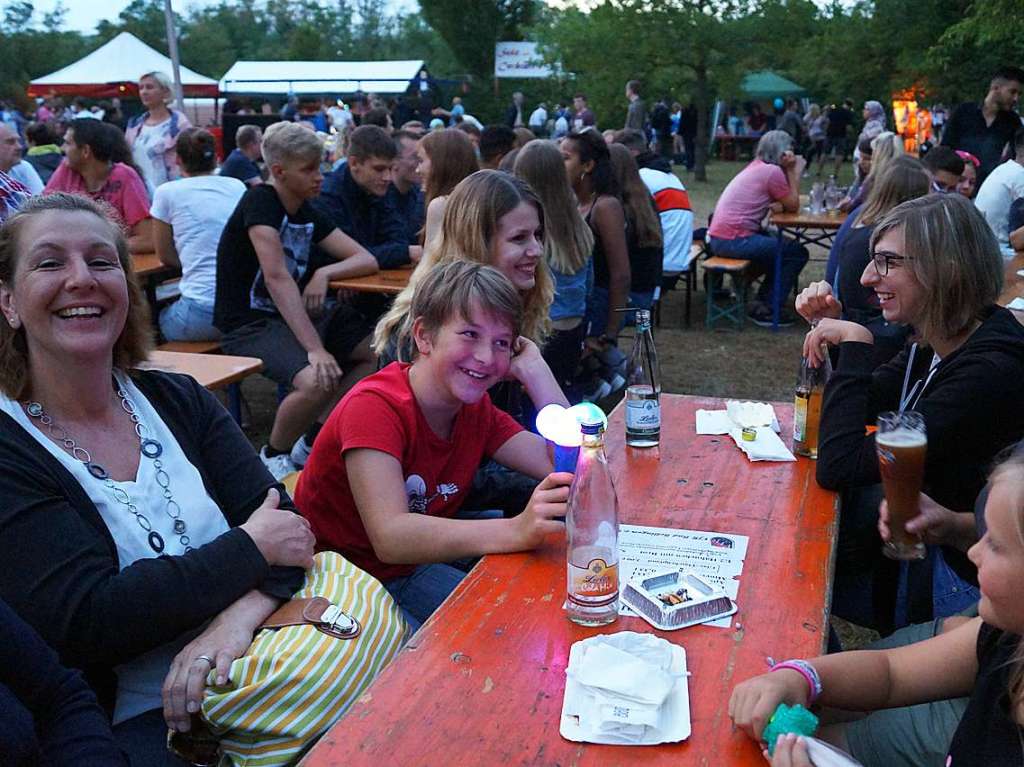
296 681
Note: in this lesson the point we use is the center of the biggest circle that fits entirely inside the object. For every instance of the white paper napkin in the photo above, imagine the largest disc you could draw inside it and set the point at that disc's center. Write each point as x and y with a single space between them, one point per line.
713 422
1016 304
750 414
767 446
627 688
736 414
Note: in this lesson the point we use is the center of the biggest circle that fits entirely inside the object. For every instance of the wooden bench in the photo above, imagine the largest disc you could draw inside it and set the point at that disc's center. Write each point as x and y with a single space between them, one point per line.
670 281
735 311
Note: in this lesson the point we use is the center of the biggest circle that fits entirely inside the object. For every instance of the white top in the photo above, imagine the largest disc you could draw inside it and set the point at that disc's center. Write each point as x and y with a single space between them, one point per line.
340 118
1002 186
148 153
676 223
139 680
539 118
197 209
24 172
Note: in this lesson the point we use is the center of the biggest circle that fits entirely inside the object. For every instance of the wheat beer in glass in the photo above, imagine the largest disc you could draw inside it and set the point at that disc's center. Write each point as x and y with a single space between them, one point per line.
902 444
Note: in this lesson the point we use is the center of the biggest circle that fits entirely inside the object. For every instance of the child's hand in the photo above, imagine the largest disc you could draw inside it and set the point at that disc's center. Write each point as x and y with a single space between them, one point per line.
790 751
548 501
754 701
526 359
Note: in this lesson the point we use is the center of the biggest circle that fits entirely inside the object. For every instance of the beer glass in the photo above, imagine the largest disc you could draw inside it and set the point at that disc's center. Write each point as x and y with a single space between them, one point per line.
901 444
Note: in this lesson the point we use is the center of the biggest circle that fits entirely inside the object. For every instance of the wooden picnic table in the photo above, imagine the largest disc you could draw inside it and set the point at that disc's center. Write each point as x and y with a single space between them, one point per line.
482 681
147 265
386 281
214 371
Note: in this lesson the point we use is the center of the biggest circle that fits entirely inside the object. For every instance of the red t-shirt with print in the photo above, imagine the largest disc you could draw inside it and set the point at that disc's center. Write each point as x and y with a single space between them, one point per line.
381 413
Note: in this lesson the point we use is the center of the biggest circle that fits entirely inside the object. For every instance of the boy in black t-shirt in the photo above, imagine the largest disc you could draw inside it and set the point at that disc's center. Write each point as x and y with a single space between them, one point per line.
273 298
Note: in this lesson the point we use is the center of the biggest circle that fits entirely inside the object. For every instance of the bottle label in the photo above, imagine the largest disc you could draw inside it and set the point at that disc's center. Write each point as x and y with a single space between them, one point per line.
643 415
800 420
595 585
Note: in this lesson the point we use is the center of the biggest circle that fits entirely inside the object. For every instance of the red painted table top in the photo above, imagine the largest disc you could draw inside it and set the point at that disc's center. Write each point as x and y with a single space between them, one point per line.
482 681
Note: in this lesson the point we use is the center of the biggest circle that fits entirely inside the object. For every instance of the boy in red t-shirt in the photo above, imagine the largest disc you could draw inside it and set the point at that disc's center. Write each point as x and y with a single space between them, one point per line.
392 464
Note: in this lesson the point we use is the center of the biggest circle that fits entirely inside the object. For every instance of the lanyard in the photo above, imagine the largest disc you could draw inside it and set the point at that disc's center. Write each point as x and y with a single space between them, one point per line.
918 388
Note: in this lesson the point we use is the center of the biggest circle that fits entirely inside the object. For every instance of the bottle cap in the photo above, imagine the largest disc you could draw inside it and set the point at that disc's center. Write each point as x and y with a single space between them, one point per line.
592 427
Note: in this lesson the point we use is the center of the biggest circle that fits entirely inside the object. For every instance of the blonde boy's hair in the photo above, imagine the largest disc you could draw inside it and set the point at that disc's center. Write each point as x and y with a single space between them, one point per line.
285 142
457 288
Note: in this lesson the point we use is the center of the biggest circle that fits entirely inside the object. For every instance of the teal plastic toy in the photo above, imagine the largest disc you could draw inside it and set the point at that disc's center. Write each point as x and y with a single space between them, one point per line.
787 719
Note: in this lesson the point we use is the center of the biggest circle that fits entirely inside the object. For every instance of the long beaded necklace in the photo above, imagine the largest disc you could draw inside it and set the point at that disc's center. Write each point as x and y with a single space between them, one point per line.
149 447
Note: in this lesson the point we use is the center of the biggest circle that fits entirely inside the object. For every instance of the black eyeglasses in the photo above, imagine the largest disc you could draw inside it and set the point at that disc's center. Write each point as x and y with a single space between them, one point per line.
883 259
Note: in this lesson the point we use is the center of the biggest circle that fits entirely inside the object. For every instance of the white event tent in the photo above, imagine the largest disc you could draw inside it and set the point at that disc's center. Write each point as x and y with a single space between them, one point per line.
280 78
114 69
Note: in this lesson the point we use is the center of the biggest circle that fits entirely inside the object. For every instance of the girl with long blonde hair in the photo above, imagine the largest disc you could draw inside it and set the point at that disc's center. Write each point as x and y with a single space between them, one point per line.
477 220
568 248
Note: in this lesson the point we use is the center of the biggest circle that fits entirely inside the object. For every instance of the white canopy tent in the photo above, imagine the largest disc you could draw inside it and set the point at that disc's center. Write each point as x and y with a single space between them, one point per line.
114 69
281 78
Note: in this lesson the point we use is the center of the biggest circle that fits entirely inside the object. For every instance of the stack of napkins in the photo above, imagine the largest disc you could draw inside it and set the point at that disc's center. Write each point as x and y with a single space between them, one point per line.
626 688
754 415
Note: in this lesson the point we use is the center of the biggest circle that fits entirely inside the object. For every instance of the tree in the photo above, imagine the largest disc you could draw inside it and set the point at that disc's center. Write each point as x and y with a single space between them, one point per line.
472 29
986 37
142 18
669 45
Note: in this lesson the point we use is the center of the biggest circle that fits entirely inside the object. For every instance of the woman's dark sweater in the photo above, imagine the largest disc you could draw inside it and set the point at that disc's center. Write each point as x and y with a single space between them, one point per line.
61 571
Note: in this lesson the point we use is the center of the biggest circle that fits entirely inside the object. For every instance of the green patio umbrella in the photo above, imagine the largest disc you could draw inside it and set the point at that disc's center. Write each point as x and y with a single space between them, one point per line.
768 85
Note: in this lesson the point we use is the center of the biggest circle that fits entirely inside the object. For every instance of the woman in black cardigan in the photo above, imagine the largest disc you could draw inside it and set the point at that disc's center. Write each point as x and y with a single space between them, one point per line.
936 267
140 534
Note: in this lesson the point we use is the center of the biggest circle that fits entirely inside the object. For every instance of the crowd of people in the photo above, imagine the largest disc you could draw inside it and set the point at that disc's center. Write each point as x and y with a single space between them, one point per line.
147 539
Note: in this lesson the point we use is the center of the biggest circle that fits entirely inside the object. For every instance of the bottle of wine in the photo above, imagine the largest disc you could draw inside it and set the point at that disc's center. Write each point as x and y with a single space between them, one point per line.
592 532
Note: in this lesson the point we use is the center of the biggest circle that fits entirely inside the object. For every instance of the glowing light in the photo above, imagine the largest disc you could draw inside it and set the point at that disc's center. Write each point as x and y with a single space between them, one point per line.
562 425
588 411
558 425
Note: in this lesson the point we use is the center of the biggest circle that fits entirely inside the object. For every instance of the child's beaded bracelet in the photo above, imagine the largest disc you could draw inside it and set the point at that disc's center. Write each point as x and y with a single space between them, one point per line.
807 671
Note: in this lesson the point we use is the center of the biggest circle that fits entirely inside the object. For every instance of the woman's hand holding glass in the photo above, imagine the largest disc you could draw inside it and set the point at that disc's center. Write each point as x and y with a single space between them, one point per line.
937 525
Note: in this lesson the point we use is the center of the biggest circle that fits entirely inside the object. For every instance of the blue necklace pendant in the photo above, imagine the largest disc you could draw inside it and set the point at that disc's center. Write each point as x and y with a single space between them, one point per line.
156 542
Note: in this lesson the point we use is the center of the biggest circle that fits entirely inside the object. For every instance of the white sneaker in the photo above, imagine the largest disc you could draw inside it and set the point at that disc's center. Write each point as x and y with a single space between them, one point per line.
300 452
280 466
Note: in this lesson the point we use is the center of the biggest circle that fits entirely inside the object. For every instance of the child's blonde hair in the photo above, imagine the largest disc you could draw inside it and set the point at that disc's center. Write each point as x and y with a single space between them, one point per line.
455 289
285 142
1011 469
470 222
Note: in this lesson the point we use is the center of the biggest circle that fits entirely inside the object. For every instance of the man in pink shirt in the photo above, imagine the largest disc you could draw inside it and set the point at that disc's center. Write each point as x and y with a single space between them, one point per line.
88 169
773 178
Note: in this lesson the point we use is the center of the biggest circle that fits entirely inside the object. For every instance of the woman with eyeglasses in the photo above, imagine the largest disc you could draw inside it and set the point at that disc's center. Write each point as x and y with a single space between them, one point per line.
936 267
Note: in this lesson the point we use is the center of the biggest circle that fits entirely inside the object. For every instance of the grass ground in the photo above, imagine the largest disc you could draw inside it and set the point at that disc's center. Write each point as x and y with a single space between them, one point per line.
754 363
